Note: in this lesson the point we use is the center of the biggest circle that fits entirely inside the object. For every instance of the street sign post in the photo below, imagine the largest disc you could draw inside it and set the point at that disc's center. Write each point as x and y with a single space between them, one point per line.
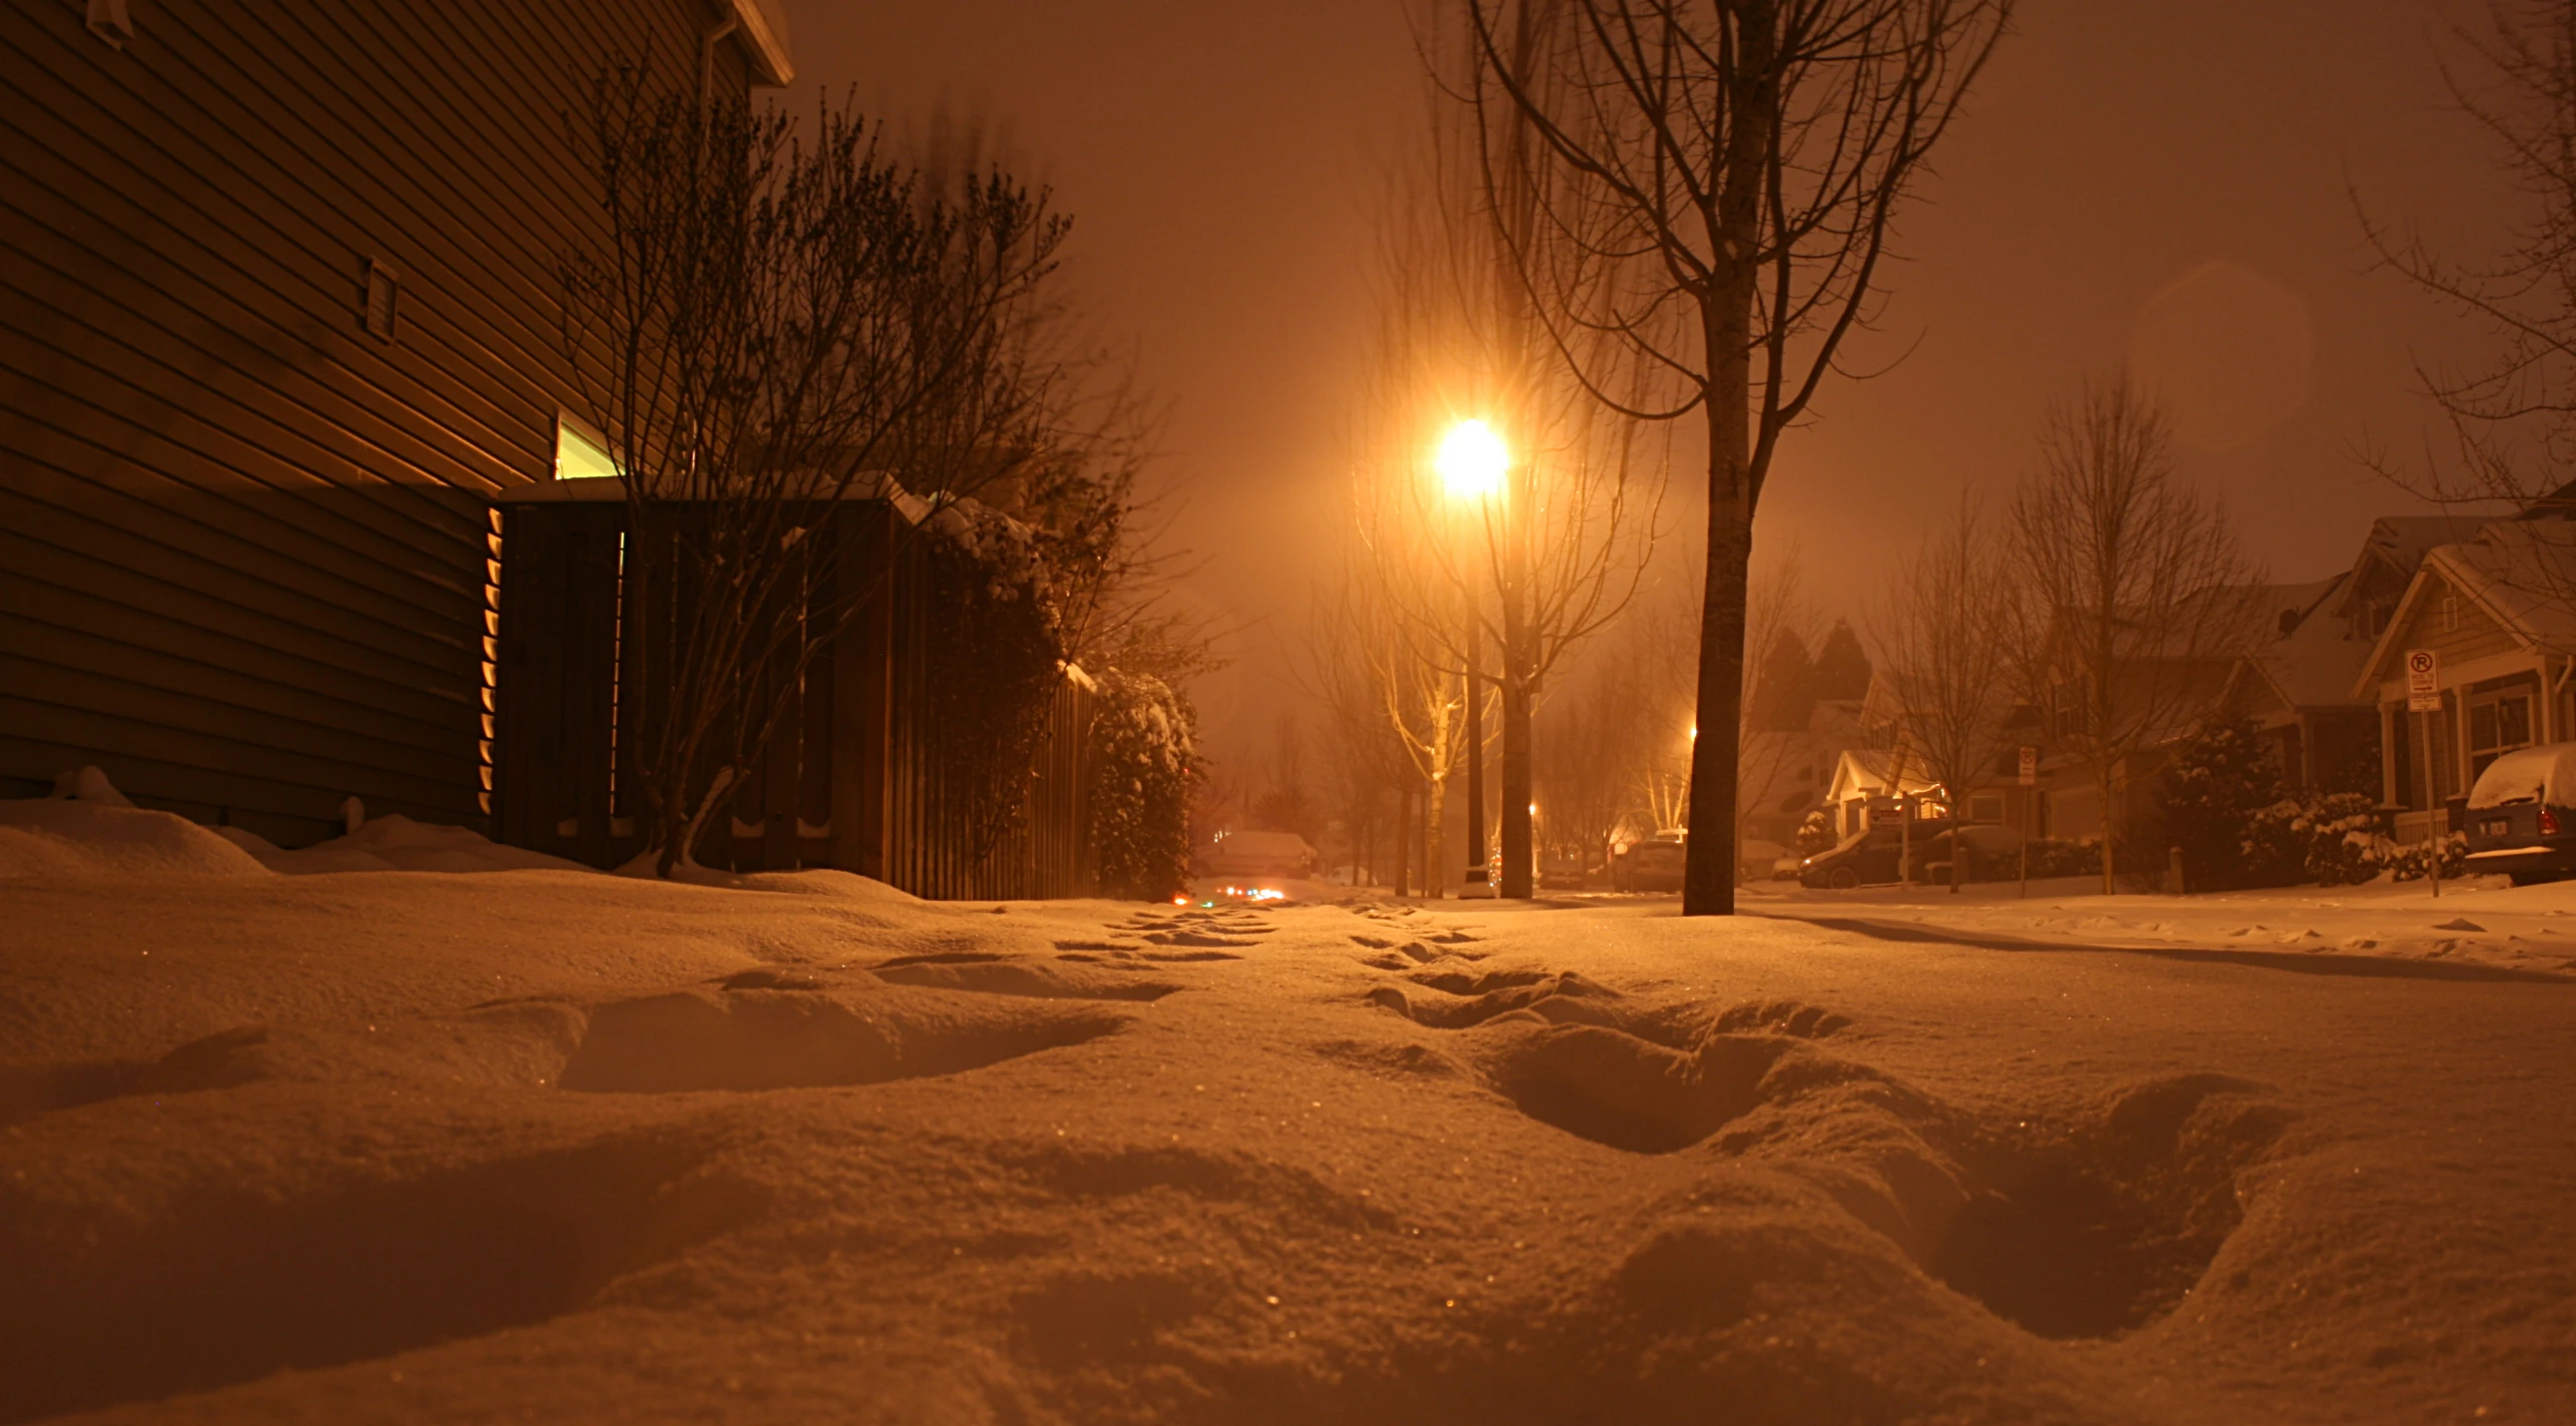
2029 781
2424 700
2423 684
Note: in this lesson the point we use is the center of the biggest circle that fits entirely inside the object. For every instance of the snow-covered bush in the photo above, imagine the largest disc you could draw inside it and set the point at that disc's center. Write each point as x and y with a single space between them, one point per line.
1142 746
2335 836
2406 861
1816 834
2055 856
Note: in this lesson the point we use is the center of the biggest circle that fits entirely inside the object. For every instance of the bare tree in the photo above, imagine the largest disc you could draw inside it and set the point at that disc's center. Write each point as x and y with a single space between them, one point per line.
2134 599
1729 175
784 315
2512 421
1939 644
1540 561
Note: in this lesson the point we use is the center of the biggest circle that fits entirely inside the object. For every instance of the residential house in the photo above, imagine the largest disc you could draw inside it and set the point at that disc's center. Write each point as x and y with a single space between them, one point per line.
2498 612
2297 683
1874 786
2394 549
278 322
1785 774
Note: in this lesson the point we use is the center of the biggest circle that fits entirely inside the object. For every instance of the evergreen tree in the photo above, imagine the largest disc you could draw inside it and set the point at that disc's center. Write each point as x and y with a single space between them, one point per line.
1842 670
1784 693
2219 790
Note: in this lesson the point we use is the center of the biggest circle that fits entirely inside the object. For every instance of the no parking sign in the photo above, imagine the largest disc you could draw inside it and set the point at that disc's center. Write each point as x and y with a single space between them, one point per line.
2423 688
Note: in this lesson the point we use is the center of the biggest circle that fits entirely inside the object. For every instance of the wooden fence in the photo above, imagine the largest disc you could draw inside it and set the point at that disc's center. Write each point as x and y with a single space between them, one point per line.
856 775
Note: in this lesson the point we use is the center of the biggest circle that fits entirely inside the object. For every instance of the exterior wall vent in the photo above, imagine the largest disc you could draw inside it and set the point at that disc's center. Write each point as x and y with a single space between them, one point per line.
384 300
109 20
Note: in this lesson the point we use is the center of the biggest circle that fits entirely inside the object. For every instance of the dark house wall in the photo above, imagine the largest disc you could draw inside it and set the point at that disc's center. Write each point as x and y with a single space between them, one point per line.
243 539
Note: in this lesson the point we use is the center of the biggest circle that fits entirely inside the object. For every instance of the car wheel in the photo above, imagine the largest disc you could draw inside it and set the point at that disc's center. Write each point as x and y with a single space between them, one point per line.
1842 878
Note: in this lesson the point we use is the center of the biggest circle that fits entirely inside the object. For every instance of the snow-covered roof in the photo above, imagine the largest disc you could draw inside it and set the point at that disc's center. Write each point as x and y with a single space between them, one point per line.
1868 772
761 25
2404 540
2521 573
2314 660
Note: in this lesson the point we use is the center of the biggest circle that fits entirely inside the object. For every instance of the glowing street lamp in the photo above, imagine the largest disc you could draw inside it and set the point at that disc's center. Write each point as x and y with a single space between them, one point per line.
1472 461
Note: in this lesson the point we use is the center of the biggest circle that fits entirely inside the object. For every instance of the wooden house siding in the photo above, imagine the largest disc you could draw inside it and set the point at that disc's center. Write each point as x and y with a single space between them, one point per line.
2453 626
243 541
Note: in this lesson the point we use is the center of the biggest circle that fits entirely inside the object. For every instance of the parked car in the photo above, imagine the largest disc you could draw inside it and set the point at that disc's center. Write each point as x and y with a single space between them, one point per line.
1650 866
1561 874
1259 854
2522 815
1871 858
1756 859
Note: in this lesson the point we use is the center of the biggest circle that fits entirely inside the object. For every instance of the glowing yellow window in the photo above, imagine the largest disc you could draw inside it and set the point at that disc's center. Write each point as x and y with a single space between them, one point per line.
581 452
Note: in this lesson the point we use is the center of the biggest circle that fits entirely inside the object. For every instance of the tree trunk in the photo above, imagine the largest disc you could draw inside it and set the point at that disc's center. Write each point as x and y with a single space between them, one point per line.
1402 884
1433 804
1517 793
1726 332
2110 884
1708 876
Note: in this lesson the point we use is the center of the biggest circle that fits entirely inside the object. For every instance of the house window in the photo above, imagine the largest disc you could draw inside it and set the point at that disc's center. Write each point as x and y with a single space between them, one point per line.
2498 724
1986 807
581 452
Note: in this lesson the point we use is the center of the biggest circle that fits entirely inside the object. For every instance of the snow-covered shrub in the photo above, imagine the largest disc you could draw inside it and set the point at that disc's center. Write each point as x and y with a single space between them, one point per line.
2406 861
1816 834
2336 835
2055 856
1143 739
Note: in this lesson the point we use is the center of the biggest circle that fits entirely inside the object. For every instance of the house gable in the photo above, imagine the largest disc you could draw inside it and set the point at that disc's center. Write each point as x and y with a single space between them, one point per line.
2436 614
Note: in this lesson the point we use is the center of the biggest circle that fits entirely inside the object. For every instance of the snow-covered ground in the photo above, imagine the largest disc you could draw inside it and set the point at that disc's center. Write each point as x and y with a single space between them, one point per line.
551 1145
2484 919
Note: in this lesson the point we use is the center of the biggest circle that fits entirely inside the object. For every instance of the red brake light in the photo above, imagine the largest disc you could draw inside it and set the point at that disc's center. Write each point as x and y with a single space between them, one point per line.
2548 823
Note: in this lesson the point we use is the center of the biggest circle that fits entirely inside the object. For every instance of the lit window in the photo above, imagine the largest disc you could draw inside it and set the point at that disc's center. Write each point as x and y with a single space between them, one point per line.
581 453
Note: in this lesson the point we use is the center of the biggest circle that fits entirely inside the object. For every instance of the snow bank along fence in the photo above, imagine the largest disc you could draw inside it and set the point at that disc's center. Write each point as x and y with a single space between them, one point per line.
853 778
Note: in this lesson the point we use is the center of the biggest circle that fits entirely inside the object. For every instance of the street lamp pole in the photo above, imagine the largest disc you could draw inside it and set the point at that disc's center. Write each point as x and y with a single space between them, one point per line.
1517 793
1473 462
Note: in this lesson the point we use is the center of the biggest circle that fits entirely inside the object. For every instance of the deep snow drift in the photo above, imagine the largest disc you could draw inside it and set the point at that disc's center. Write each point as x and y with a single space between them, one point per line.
554 1145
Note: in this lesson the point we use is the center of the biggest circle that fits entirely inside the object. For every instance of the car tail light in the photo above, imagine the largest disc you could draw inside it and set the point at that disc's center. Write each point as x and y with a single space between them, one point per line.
2548 823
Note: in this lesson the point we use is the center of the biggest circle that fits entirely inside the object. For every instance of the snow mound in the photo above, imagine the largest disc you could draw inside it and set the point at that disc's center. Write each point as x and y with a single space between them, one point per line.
397 843
57 838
